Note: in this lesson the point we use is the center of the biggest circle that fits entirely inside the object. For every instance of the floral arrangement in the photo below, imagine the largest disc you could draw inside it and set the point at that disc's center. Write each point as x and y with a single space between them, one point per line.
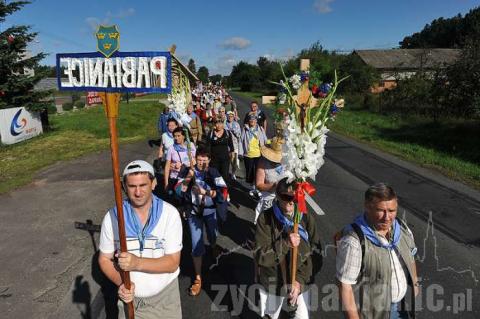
178 100
180 97
304 149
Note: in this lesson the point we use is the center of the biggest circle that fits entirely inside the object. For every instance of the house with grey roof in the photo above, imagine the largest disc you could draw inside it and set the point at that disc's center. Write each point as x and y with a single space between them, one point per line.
396 64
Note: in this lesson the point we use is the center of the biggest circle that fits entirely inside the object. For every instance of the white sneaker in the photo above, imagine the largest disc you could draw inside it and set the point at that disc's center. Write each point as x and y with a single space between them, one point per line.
252 193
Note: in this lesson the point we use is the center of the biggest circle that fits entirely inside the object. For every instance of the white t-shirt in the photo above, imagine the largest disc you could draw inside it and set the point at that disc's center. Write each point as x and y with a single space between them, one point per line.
166 238
167 142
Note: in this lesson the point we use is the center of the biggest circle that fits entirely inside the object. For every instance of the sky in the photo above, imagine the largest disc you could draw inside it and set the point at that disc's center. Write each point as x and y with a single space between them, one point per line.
220 33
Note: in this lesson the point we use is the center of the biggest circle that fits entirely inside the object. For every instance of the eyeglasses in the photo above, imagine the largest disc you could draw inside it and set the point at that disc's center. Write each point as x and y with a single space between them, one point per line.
286 197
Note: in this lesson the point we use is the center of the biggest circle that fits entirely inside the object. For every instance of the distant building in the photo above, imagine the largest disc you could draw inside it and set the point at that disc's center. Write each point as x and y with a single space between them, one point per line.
396 64
46 84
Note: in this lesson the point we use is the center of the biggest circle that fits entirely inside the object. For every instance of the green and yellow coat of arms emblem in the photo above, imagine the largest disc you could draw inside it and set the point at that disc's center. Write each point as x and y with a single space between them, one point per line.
108 40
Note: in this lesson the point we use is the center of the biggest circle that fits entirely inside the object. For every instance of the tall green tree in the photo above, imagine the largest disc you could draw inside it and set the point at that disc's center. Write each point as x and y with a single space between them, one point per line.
463 86
191 66
445 32
216 78
246 76
361 76
16 83
269 71
203 74
49 71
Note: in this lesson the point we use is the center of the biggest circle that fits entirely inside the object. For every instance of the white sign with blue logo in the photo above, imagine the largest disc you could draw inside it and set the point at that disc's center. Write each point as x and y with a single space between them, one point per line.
17 124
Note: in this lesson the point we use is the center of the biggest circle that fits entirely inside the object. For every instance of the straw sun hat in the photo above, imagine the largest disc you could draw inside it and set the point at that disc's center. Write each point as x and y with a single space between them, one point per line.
273 151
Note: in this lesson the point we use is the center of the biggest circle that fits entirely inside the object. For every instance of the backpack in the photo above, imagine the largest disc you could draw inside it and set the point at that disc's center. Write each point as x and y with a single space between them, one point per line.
361 236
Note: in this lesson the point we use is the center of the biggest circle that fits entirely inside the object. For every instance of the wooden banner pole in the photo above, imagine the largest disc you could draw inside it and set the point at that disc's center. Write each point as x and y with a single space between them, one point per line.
293 261
111 103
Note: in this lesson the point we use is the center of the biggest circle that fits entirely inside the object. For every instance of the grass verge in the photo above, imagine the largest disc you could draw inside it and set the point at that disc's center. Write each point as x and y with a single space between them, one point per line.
250 95
74 134
448 146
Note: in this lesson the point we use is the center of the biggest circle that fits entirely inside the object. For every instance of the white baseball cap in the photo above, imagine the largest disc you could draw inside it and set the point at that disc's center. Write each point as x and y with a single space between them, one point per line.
138 166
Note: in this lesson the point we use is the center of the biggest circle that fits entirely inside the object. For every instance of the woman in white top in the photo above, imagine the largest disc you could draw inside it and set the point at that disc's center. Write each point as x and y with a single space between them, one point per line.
269 172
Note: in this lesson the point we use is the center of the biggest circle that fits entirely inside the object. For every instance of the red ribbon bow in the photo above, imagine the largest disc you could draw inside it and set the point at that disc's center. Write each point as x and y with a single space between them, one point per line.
301 189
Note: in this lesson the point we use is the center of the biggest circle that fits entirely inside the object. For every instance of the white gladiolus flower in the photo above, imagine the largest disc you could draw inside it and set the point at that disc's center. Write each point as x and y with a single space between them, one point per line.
295 80
178 102
303 151
310 148
290 177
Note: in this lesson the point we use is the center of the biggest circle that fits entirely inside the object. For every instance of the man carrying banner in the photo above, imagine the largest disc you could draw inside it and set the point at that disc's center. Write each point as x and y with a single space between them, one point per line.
154 242
273 240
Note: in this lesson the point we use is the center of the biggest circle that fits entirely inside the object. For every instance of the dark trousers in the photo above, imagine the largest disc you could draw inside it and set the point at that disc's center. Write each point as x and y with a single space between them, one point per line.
222 165
250 168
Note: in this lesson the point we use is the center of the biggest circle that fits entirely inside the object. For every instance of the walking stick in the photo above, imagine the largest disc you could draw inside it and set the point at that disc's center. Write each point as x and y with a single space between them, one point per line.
293 261
111 101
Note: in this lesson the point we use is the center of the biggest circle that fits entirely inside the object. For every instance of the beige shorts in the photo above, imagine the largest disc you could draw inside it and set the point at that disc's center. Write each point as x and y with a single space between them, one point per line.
165 305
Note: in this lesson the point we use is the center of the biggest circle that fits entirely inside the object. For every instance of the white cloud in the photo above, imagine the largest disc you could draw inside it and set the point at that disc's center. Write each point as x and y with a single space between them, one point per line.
322 6
280 56
94 22
122 13
236 43
223 65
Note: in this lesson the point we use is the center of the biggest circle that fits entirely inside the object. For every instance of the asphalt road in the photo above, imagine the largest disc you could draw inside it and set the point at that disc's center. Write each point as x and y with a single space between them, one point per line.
48 267
443 215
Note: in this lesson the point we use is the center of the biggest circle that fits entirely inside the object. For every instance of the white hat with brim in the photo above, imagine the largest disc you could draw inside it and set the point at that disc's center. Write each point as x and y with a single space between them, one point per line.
138 166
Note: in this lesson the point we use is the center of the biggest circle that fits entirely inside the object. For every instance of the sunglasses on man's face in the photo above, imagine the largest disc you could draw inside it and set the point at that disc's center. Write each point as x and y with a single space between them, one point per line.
286 197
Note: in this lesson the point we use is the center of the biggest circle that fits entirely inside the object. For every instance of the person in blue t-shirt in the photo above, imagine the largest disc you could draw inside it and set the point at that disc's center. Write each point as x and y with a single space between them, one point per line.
205 195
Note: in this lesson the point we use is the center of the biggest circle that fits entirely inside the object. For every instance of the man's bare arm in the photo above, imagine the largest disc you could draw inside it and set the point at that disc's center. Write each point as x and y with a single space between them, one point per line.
106 264
348 301
165 264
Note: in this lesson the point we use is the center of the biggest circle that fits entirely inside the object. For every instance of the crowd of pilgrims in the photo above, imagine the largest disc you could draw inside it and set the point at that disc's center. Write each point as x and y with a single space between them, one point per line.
198 163
219 141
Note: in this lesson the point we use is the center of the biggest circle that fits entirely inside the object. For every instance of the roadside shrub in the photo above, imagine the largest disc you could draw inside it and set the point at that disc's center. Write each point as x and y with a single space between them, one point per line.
51 109
75 97
67 106
80 104
362 101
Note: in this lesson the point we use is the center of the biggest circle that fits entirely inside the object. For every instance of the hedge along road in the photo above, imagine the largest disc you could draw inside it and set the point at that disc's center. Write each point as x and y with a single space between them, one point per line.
444 216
